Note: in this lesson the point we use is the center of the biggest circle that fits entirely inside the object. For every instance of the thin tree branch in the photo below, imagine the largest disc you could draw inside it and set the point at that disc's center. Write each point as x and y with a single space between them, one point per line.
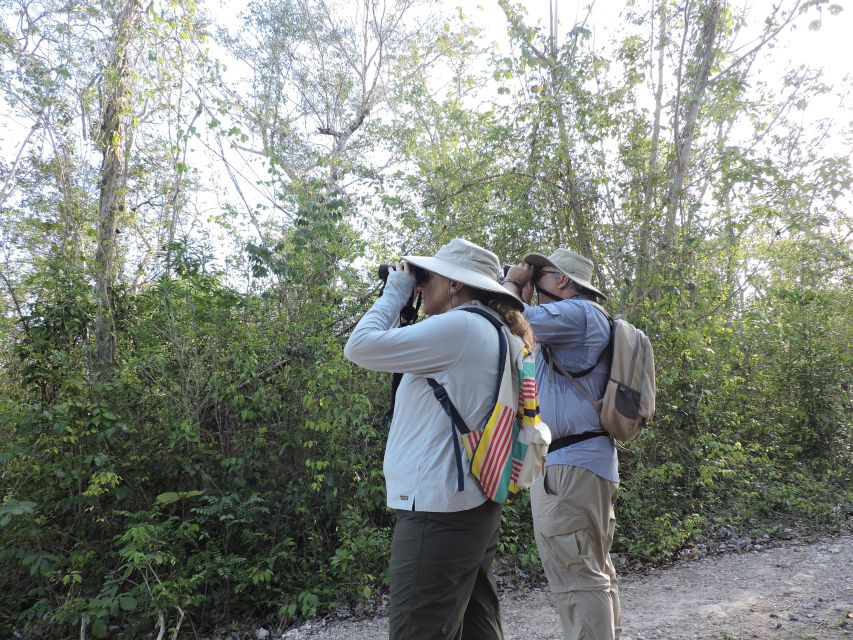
14 169
18 307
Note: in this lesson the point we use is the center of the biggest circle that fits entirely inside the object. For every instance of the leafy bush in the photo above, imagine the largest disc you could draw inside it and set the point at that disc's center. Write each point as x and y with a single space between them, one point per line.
231 470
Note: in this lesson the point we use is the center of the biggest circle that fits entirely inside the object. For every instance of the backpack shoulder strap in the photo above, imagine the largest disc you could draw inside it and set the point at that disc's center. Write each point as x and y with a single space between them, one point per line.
440 392
586 394
503 346
608 350
600 308
548 356
552 362
456 421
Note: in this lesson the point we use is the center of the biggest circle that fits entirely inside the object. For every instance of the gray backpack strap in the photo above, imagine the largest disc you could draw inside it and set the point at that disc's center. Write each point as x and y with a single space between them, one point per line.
549 358
596 404
600 308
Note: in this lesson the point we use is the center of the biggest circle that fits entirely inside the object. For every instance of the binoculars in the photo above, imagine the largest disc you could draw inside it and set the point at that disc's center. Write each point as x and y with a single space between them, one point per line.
420 275
384 269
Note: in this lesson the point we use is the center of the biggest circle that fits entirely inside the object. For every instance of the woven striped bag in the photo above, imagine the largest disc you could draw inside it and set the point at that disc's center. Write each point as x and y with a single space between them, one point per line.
508 451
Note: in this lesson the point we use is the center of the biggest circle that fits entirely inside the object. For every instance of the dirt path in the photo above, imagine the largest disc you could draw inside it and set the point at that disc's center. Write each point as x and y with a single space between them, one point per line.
793 592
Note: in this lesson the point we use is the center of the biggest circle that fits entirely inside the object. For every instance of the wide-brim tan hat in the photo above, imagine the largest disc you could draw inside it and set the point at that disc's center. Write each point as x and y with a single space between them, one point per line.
469 264
574 265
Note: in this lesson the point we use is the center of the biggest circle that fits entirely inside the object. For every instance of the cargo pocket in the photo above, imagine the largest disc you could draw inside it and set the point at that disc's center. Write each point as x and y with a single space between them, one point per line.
567 540
567 555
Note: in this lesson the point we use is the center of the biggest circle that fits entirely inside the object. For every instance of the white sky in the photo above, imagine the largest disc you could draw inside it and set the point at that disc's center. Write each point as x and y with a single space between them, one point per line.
829 48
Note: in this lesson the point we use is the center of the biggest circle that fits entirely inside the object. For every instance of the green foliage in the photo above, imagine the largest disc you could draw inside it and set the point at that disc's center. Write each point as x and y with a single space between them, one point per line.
517 552
207 477
743 435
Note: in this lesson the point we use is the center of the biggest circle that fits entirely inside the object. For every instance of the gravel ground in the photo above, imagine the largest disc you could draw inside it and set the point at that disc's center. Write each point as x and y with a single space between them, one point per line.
797 591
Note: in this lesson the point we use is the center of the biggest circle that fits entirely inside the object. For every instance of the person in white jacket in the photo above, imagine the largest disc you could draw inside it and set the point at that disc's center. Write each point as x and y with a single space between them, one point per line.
446 531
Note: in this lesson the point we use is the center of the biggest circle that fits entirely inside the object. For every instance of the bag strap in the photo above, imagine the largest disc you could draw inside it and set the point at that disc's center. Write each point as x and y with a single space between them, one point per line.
456 419
600 308
546 350
596 404
547 355
552 362
567 441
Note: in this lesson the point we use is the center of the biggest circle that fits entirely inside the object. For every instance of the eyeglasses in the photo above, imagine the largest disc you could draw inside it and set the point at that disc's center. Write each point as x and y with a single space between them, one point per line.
553 273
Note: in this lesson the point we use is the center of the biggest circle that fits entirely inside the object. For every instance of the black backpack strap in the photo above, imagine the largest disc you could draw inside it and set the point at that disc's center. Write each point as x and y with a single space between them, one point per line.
567 441
456 419
503 346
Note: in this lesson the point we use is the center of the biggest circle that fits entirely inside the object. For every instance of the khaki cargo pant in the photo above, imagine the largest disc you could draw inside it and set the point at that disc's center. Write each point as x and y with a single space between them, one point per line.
573 521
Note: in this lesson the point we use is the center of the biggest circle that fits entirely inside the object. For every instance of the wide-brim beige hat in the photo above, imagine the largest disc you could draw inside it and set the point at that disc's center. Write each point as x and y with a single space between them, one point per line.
469 264
574 265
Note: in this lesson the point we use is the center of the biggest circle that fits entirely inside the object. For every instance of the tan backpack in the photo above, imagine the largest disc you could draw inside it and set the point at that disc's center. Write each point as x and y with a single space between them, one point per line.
629 397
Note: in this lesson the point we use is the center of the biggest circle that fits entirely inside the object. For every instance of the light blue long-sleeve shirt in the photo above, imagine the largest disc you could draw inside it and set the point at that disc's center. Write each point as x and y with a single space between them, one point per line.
576 333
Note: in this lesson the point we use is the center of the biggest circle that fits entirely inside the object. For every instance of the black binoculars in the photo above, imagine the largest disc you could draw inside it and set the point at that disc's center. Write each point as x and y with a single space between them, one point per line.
421 276
537 271
383 270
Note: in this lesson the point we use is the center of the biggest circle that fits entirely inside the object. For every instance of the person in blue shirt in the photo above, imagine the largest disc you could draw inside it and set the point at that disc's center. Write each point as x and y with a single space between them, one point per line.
573 515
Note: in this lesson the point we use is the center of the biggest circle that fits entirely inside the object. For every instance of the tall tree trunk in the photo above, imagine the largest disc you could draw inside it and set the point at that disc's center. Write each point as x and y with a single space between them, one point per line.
575 212
705 51
70 207
643 262
113 138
